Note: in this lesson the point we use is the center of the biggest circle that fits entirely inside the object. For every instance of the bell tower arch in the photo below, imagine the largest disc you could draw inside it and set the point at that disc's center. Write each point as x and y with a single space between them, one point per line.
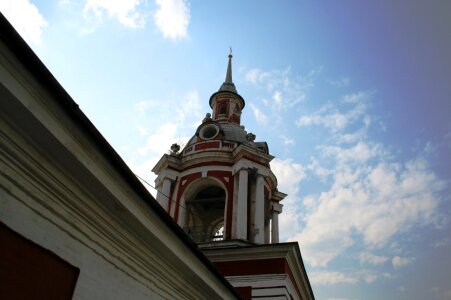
220 189
220 186
204 215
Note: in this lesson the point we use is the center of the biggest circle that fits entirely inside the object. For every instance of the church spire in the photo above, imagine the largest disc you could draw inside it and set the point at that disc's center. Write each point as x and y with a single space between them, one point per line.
228 85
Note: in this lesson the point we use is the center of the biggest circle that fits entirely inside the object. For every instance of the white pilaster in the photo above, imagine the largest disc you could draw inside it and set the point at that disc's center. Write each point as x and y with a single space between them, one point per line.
164 193
164 184
259 233
276 210
241 220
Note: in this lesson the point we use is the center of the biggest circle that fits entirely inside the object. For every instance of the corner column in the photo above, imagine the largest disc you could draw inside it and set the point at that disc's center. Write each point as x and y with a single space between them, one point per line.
241 220
164 184
276 210
259 221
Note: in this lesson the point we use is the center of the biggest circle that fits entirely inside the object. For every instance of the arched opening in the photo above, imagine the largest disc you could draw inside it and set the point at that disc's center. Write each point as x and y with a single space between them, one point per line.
222 109
205 214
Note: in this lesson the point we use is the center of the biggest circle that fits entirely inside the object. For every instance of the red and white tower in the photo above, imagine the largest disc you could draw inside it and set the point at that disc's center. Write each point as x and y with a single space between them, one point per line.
221 191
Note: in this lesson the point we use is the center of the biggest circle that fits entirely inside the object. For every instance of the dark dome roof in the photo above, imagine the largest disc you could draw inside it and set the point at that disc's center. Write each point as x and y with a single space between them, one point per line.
234 133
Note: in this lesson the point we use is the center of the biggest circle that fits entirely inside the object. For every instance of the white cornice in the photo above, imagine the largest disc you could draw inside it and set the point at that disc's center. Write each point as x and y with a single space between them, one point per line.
288 251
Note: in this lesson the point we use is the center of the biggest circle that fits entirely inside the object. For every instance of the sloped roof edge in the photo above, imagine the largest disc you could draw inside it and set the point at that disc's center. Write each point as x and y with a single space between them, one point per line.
31 62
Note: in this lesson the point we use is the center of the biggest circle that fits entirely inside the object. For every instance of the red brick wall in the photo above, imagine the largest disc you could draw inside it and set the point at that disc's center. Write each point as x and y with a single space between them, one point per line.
29 271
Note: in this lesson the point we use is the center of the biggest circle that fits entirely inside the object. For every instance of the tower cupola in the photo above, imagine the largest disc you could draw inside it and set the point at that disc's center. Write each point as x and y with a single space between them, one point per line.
220 185
220 189
226 103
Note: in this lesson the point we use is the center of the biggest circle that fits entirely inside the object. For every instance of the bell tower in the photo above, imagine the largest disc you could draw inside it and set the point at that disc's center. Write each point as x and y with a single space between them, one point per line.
220 189
220 186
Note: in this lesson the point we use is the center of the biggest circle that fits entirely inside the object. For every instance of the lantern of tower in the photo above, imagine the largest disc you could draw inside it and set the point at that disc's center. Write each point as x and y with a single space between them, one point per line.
220 187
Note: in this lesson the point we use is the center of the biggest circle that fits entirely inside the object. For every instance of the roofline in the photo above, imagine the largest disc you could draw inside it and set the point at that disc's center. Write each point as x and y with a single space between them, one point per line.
25 55
275 245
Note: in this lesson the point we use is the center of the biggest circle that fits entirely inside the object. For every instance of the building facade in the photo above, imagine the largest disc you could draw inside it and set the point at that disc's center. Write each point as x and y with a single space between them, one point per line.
75 222
220 189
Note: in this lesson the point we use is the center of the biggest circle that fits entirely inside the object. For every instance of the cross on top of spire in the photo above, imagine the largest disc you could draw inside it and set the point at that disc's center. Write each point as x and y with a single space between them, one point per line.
228 85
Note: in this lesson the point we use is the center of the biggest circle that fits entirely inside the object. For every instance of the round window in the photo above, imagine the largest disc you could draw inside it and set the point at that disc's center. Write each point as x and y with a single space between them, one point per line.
209 132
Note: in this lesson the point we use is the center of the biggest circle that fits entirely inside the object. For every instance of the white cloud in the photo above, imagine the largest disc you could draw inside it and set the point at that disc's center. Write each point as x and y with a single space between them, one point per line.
157 111
258 114
318 170
277 97
143 170
289 174
331 278
341 82
442 243
143 106
331 118
162 123
356 97
440 293
127 12
256 76
160 141
366 257
191 107
63 3
142 130
398 261
373 202
286 140
360 153
172 18
26 19
369 197
369 278
284 92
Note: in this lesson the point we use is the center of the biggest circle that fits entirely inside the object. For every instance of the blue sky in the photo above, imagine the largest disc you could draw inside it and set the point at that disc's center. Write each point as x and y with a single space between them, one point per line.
353 98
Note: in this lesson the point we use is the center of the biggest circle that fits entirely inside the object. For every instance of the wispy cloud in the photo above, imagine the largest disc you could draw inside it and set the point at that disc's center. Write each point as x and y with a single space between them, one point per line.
323 278
289 174
129 13
161 124
330 278
160 141
442 243
372 196
169 109
258 114
286 140
441 293
26 19
366 257
172 18
367 194
284 91
335 120
373 202
399 262
340 82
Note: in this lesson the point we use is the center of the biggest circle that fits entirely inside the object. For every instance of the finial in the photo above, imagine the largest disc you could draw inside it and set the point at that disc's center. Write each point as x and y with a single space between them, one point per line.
228 83
175 148
228 79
